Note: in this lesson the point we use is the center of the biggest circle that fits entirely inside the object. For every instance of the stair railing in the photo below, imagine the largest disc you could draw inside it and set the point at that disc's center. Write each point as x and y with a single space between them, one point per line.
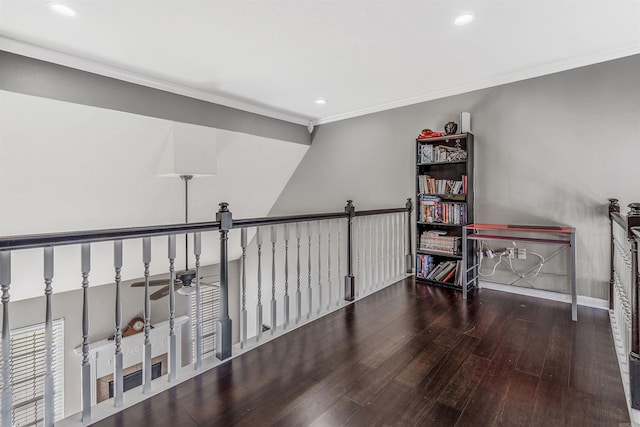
338 258
624 287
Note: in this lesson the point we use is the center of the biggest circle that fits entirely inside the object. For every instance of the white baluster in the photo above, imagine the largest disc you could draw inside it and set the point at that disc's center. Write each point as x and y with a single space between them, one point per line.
243 313
362 230
85 264
400 256
197 252
319 267
400 245
172 304
372 262
379 254
392 248
310 291
274 306
340 287
298 293
383 250
118 380
386 254
146 260
49 414
286 276
5 282
259 307
397 241
403 244
329 283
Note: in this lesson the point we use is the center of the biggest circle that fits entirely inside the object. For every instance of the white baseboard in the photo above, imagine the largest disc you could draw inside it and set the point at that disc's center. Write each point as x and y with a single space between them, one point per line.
602 304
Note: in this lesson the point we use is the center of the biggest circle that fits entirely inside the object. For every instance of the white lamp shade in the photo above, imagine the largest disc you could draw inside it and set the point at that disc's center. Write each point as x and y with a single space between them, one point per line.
189 150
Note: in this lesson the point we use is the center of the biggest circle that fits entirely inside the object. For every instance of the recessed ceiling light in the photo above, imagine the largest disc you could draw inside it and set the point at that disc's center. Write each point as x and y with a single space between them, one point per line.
321 101
465 18
62 9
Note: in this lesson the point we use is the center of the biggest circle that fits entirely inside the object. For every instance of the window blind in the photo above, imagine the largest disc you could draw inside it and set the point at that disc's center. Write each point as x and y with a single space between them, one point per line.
28 368
209 313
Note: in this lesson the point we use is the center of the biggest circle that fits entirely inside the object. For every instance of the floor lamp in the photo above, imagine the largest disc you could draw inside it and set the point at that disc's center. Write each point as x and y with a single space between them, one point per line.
190 151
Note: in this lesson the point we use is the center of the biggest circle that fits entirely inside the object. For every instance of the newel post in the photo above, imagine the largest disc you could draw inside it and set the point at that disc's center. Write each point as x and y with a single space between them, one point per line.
409 256
614 207
633 220
349 279
223 325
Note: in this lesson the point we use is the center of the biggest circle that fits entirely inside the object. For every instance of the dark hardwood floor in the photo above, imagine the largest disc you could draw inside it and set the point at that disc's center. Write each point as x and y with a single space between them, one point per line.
413 356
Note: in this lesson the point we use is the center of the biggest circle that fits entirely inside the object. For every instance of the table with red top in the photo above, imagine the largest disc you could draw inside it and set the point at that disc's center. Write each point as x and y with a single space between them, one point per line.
545 234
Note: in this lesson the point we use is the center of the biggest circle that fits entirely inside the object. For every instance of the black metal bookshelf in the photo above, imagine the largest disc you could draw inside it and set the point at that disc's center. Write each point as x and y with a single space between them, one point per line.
448 170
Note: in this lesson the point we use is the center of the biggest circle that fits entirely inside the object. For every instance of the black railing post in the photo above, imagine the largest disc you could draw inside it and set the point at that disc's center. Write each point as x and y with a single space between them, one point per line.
223 326
409 256
349 279
613 207
633 220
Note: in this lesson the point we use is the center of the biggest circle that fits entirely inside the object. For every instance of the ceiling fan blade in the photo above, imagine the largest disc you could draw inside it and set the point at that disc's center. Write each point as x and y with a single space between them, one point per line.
158 282
164 291
160 293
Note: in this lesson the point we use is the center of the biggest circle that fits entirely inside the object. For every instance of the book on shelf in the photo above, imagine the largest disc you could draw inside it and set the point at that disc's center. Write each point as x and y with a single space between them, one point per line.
437 270
451 273
445 271
429 185
432 210
457 280
448 267
430 241
426 153
441 271
424 265
429 153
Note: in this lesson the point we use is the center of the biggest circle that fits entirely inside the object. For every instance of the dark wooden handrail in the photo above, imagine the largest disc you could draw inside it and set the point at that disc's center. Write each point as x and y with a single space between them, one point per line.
380 211
276 220
31 241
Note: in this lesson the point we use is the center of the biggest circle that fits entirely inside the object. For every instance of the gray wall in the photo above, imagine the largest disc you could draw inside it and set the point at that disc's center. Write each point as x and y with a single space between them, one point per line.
549 150
39 78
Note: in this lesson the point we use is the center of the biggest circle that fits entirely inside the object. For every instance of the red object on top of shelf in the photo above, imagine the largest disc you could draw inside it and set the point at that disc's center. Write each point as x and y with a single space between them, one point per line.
428 133
431 135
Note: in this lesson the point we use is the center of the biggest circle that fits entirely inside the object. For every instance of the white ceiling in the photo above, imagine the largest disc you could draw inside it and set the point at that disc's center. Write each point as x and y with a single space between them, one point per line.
276 57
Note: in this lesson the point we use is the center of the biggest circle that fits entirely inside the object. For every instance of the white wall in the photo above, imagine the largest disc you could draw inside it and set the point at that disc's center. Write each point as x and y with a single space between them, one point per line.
549 150
67 167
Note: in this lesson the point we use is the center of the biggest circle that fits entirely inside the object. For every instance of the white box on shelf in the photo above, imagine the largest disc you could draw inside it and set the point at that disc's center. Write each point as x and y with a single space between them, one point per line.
465 122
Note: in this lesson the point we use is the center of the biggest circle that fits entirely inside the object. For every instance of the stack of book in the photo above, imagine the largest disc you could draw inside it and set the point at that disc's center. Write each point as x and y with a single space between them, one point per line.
433 210
430 185
436 241
440 153
446 271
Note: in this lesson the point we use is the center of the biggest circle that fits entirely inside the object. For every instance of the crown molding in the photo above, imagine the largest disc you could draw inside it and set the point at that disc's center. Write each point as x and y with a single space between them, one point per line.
555 67
50 55
72 61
